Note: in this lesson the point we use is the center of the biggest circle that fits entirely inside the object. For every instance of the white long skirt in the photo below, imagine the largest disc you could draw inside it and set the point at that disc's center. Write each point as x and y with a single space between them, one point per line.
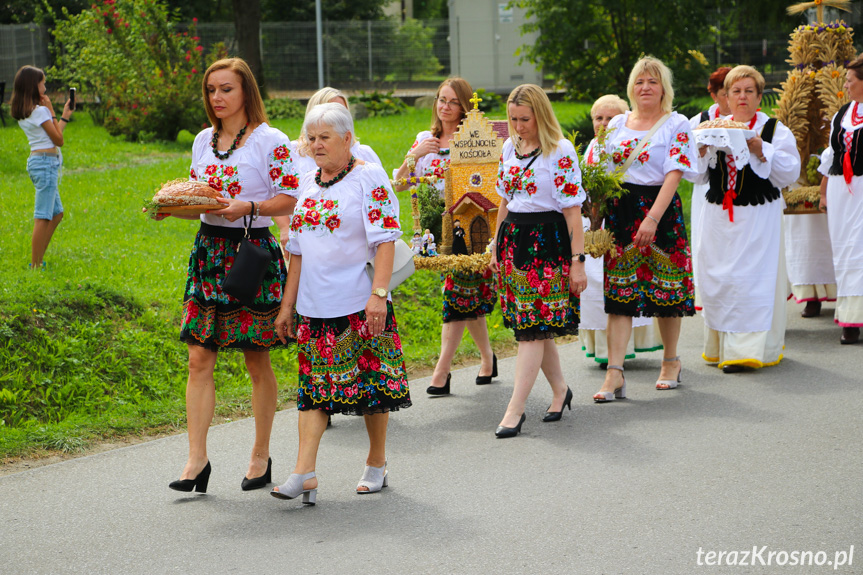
743 285
696 209
809 255
593 320
845 222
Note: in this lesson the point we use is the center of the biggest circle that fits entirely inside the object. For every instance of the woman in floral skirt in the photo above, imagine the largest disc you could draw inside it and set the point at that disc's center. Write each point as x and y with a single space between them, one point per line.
539 248
650 272
467 297
349 351
250 163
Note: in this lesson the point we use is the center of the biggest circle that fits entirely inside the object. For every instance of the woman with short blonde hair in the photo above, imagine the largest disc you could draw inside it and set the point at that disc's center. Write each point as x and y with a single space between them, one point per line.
549 131
649 273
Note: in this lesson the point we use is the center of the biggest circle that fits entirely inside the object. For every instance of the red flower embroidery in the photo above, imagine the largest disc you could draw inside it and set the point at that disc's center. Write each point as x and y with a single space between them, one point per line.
276 290
230 171
296 222
544 289
281 153
192 312
303 333
564 163
304 364
215 183
374 215
435 163
275 173
643 157
530 188
513 171
391 223
379 194
309 203
290 182
329 204
211 169
193 175
312 217
234 189
570 189
682 137
616 157
673 151
333 222
684 160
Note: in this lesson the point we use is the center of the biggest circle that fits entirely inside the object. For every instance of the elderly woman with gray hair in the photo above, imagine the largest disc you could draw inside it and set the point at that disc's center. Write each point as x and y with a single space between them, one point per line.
349 351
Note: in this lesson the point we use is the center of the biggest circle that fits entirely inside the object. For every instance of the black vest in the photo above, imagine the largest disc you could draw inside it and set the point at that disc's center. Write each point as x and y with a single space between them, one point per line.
837 142
751 190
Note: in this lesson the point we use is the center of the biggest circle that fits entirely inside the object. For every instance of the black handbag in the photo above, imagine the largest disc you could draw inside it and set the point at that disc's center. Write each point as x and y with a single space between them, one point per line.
247 273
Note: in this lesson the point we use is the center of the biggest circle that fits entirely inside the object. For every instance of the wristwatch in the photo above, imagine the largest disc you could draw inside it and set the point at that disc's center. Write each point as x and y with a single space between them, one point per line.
579 257
380 292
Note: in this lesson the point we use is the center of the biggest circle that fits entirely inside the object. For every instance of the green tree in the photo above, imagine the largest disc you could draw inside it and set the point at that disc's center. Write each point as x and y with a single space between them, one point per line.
416 55
132 56
334 10
591 46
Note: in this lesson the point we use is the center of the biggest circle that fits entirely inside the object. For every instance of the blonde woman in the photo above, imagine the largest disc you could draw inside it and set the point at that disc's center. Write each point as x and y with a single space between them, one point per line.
593 319
539 248
650 272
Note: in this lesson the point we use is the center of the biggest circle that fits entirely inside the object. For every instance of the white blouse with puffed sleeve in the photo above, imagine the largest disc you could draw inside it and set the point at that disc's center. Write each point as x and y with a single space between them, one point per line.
336 230
546 183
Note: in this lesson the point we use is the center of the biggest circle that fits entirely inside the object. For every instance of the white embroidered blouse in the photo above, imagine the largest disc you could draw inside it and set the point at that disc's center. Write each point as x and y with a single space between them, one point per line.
550 184
670 148
432 164
258 171
336 230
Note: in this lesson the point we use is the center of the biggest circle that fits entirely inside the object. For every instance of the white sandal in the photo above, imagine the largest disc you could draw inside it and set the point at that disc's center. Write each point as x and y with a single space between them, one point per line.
663 384
374 479
619 393
293 488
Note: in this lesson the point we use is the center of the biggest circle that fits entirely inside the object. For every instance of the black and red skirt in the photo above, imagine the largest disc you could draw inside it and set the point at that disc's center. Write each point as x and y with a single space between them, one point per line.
534 255
217 321
656 280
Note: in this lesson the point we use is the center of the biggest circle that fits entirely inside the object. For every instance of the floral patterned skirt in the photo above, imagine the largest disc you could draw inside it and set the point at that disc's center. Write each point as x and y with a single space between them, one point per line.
467 295
345 370
534 255
654 281
215 320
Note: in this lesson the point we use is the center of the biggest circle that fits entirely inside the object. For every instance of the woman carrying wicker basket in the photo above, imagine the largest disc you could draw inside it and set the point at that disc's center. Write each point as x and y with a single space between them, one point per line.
842 199
742 278
649 273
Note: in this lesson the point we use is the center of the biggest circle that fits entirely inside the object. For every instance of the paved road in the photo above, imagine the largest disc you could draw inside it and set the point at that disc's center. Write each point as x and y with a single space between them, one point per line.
725 463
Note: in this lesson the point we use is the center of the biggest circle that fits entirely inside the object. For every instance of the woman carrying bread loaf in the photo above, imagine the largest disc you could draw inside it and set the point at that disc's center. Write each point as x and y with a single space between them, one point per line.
249 164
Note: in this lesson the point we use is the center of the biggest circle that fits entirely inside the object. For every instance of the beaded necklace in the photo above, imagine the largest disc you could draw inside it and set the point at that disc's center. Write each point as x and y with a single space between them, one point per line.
532 154
856 119
444 152
226 155
339 177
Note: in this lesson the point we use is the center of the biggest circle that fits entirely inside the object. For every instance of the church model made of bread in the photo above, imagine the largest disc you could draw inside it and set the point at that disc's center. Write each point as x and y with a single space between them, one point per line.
469 196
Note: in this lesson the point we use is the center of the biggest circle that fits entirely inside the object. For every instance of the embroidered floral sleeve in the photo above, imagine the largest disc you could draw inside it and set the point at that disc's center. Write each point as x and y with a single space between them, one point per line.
284 178
504 186
680 148
567 176
380 205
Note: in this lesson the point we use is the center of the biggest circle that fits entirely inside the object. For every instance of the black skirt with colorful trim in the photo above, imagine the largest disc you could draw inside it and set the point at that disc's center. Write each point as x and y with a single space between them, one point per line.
215 320
467 296
654 281
345 370
534 256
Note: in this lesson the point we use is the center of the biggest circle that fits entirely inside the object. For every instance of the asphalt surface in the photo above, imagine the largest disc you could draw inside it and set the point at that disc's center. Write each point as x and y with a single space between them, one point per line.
768 459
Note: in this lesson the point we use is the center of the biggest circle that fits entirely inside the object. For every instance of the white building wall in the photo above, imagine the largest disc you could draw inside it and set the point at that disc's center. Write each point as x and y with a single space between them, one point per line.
484 37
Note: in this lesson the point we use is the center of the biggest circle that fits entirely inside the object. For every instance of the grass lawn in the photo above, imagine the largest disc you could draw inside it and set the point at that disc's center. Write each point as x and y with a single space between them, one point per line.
89 349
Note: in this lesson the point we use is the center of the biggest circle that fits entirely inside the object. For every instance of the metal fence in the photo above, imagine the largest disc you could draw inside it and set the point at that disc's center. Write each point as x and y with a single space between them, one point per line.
364 54
357 54
22 44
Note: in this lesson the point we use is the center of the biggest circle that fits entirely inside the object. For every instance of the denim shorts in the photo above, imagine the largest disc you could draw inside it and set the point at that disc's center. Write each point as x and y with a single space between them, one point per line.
45 173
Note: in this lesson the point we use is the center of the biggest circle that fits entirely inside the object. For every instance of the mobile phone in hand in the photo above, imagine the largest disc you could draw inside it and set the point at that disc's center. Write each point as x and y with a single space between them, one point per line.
72 99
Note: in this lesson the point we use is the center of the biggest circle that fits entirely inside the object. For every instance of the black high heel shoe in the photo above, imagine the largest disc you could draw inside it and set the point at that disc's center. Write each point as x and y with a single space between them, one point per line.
199 484
432 390
503 432
258 482
486 379
556 415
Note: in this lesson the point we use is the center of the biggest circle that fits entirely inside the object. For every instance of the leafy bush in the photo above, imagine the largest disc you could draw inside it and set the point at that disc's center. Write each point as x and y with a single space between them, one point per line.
284 109
380 104
131 55
431 210
490 100
417 50
581 128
